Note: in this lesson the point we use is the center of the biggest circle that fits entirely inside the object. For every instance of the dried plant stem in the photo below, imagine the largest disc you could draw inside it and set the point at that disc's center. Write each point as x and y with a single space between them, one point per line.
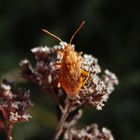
9 132
62 120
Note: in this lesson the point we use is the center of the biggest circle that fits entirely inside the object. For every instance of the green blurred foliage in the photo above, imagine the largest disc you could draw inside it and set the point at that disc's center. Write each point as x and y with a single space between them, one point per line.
111 33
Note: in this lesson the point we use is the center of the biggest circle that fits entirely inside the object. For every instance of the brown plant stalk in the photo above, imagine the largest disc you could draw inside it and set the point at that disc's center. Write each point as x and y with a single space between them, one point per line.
9 132
64 116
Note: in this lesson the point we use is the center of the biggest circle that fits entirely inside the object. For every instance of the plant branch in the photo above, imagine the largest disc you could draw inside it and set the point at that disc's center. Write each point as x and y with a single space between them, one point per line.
9 131
64 116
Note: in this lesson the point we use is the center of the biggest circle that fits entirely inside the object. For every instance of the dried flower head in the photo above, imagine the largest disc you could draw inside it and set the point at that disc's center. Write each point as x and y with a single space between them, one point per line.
63 68
14 104
91 132
51 70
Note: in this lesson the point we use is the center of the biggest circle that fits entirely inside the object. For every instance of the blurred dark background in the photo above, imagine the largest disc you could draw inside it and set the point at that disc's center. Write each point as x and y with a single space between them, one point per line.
111 33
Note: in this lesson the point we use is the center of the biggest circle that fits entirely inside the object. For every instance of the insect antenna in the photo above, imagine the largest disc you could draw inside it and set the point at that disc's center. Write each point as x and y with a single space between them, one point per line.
51 34
81 25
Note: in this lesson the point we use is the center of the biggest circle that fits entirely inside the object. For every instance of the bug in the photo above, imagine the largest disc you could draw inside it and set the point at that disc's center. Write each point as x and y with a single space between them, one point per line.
72 76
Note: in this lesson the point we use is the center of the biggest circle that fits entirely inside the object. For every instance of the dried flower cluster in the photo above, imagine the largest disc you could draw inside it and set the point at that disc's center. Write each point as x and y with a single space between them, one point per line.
47 73
14 104
91 132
